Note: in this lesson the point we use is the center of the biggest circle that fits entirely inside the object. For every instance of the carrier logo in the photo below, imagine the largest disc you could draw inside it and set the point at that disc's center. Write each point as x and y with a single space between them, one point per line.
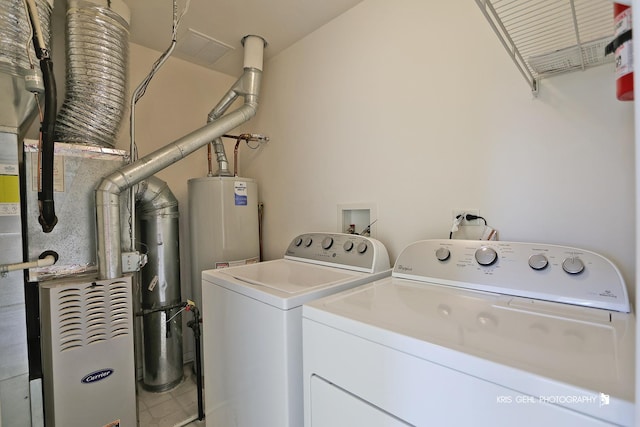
96 376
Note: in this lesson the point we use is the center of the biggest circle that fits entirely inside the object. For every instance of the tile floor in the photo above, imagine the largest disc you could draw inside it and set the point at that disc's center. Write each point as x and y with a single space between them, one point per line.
173 408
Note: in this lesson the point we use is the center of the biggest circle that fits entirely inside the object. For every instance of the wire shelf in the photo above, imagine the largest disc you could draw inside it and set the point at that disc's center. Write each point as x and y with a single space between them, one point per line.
550 37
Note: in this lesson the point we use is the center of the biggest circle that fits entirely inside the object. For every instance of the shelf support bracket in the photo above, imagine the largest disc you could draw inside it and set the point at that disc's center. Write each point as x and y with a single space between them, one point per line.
491 15
575 27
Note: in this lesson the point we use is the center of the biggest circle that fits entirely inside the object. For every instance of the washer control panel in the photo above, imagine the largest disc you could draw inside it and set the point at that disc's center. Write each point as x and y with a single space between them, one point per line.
533 270
349 251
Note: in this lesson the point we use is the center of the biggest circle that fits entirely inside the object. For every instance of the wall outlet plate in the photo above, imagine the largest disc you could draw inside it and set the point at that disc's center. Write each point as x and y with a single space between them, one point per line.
464 222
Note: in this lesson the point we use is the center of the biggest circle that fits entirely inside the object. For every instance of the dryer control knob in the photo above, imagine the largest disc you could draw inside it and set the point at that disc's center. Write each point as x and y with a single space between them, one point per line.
348 245
298 241
443 254
327 242
538 261
573 265
486 256
308 241
362 248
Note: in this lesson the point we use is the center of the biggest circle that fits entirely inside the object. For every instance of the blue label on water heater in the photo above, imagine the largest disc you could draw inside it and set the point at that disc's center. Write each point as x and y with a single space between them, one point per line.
240 192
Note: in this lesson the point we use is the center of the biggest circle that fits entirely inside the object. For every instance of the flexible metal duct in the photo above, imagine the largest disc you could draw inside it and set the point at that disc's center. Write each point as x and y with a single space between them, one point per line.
97 57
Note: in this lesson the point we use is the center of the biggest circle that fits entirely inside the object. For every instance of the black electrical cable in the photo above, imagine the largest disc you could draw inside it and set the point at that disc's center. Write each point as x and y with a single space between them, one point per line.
471 217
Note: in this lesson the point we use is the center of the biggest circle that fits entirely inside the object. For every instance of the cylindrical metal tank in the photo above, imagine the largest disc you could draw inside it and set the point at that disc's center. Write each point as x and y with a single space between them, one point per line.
160 287
223 225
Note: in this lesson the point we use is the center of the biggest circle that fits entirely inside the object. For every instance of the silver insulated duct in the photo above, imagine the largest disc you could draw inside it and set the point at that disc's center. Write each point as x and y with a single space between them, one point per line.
96 84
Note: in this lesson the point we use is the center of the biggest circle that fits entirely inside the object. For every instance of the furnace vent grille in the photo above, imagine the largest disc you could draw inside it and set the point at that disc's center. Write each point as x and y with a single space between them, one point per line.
92 313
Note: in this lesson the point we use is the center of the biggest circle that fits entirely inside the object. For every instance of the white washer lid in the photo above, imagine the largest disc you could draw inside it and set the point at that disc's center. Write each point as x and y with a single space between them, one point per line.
285 283
551 345
288 277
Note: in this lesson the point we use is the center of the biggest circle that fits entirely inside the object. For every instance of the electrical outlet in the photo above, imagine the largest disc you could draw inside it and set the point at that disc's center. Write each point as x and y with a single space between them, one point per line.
475 212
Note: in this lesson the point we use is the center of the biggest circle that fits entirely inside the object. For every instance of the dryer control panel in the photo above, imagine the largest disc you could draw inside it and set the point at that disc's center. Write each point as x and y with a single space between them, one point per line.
349 251
533 270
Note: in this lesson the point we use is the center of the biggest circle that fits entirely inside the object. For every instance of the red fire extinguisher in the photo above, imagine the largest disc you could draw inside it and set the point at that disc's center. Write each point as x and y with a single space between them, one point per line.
621 46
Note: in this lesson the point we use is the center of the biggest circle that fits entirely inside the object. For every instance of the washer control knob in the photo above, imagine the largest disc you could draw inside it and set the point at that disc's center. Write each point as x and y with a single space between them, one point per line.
486 256
538 261
327 242
362 248
348 245
443 254
298 241
308 241
573 265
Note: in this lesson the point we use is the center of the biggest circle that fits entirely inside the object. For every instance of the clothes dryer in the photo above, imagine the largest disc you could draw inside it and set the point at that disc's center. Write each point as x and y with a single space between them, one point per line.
252 325
474 333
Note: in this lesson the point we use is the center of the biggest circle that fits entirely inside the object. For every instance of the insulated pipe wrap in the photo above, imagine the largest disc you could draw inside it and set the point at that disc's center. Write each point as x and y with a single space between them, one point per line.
97 58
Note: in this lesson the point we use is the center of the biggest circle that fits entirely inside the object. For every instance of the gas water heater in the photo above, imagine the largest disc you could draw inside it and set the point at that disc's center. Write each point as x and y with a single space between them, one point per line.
223 225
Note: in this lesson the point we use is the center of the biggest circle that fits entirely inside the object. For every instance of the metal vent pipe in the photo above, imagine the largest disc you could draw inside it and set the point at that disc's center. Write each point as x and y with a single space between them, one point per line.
108 191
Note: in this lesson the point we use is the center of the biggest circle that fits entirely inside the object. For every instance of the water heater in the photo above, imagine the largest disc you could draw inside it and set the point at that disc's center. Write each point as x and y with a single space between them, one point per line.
223 225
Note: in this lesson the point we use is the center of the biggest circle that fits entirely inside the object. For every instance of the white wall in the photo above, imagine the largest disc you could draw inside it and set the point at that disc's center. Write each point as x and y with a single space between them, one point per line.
416 107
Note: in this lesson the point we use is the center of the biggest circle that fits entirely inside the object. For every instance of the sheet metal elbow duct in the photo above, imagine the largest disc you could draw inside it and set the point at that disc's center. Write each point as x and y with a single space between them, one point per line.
159 232
253 59
109 189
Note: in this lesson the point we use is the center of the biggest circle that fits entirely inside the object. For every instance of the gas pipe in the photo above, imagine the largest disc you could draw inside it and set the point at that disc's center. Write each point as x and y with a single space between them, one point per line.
621 46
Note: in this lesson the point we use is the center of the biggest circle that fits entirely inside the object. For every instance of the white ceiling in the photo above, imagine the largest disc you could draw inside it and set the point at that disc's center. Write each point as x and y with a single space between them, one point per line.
280 22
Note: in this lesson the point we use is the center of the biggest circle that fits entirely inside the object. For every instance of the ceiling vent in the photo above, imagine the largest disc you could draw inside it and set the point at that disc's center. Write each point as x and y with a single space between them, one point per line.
200 48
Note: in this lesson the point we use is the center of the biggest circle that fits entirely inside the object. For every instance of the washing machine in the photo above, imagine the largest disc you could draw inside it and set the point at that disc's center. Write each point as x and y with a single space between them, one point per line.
474 333
252 325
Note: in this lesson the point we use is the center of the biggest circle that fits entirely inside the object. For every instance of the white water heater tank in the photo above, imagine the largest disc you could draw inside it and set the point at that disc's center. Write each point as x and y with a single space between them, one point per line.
223 225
